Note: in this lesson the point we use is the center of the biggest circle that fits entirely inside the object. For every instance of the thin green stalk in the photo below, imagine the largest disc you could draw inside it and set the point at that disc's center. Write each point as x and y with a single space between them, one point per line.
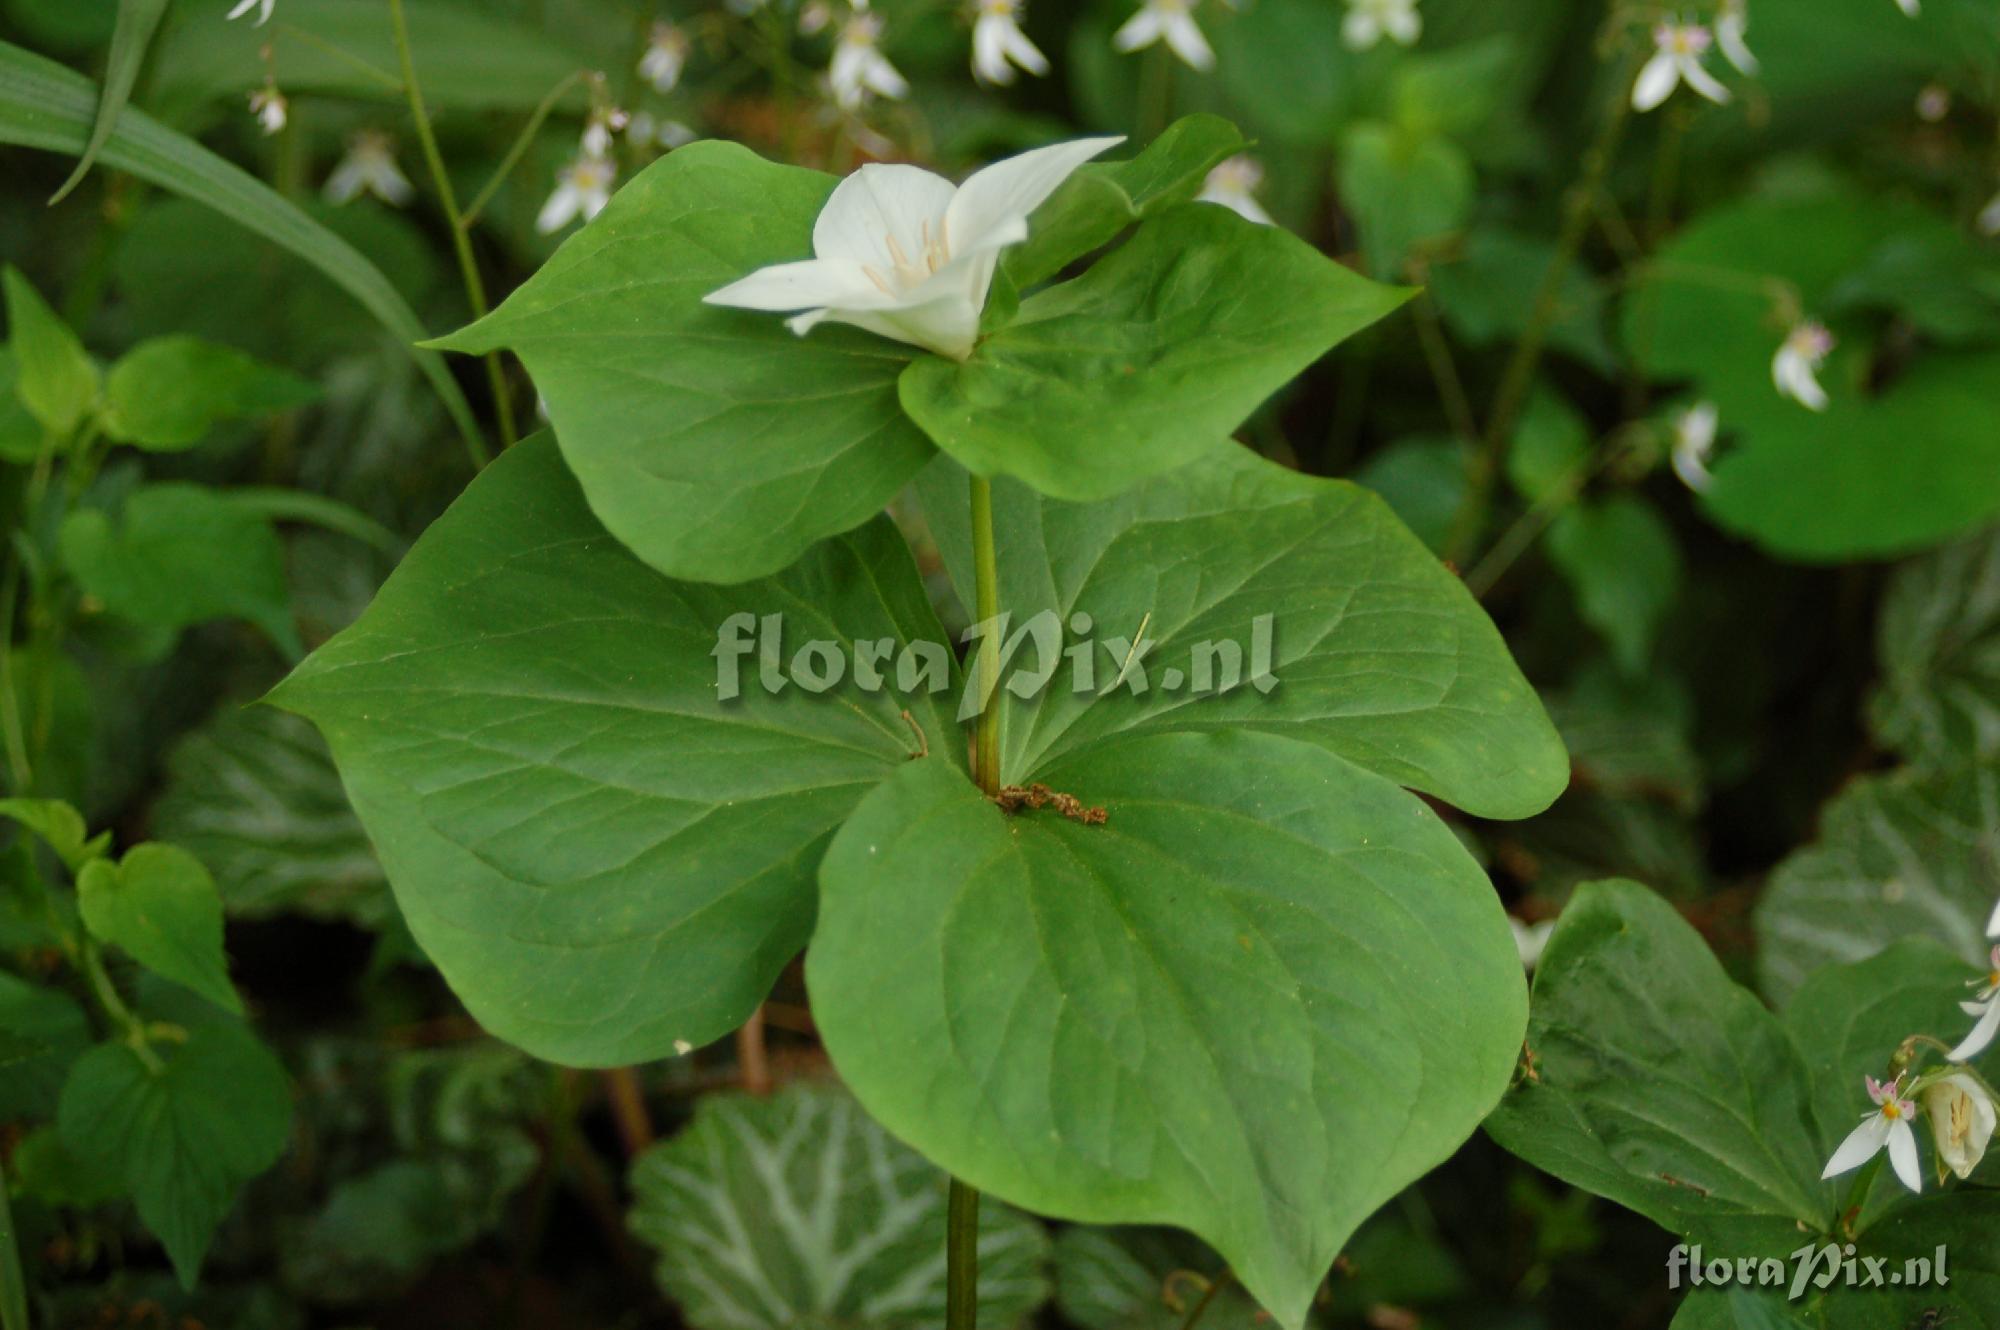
13 1283
1452 396
986 737
961 1258
1215 1287
91 958
1857 1195
475 286
477 208
1483 472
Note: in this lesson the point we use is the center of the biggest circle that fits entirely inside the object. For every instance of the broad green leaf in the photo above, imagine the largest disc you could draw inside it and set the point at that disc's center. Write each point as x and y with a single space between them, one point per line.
160 905
167 394
183 1139
1716 1308
56 378
20 432
137 21
1901 855
1659 1083
52 1175
1404 189
45 106
1422 479
1630 738
1620 558
1939 641
603 858
1961 1222
1486 291
1284 63
59 826
797 1211
1898 461
1270 991
1103 198
55 1026
1551 447
469 55
1378 653
1146 361
255 797
715 443
1457 90
179 555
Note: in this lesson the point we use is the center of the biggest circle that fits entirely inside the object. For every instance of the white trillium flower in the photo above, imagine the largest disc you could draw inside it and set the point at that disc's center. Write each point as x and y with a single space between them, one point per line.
998 44
1795 368
903 253
665 58
582 189
1986 1006
1694 444
270 108
1962 1120
859 67
369 168
263 8
1887 1127
1730 25
1171 21
1369 21
1678 49
1989 218
1234 184
1531 940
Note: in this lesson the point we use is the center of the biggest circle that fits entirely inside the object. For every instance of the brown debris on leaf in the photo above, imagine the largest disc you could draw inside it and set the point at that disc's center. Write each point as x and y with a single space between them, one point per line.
1013 798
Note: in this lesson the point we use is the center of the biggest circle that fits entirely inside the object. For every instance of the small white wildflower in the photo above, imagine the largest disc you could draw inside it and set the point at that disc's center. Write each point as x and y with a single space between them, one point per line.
665 58
1694 444
1730 26
1795 368
1986 1006
599 129
1888 1127
998 44
648 130
1531 940
369 168
270 108
859 67
582 189
1171 21
815 17
1369 21
1962 1120
263 8
1933 103
1234 184
1678 49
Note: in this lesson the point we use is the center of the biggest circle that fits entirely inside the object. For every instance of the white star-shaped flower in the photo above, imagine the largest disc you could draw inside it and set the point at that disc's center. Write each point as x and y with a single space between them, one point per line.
582 189
1677 53
903 253
666 56
1888 1127
1986 1006
859 67
1234 184
1171 21
998 44
1369 21
369 168
1795 368
1694 444
263 8
270 108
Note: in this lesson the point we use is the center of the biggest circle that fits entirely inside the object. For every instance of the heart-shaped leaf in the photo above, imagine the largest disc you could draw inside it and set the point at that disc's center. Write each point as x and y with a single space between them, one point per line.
714 442
160 905
1147 360
168 393
1267 993
606 859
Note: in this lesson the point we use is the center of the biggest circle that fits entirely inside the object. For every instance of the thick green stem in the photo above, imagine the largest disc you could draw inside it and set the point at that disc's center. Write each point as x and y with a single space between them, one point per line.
1578 206
961 1258
468 266
986 737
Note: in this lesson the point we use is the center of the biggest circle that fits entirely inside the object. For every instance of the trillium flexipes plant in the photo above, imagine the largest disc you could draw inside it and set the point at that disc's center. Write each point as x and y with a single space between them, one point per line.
677 848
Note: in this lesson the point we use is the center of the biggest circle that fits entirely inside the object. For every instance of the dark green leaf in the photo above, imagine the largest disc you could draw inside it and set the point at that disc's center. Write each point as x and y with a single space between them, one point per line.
1939 641
1404 189
1620 558
160 905
56 1027
59 825
56 378
137 21
167 394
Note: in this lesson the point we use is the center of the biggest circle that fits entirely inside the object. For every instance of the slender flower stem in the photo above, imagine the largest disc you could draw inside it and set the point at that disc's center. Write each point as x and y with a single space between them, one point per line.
1444 368
1578 208
477 208
986 738
1215 1286
91 958
961 1258
475 286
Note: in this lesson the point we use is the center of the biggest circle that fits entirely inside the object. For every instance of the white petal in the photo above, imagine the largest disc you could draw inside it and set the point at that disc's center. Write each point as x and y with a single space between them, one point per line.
1701 80
345 184
879 203
806 284
1993 924
1910 7
560 210
1185 39
1862 1144
1981 1036
947 327
1404 25
989 50
1656 82
1141 30
996 200
1729 37
1360 30
1023 51
1903 1155
883 78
